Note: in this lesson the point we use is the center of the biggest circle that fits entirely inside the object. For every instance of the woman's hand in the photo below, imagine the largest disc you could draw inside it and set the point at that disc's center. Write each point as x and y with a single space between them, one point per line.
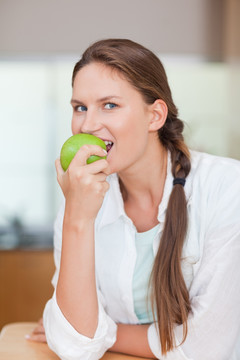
84 185
38 333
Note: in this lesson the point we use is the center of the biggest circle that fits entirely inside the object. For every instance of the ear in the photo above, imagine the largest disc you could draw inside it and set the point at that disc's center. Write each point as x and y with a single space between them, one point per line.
158 115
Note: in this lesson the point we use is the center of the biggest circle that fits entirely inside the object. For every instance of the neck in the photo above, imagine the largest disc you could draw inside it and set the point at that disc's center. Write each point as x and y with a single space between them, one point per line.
143 184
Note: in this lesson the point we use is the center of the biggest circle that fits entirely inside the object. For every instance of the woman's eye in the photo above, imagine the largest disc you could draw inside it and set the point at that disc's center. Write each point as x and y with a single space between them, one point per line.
81 108
109 106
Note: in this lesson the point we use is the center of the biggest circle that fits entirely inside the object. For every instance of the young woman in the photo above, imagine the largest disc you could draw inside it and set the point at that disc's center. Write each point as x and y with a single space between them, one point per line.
147 243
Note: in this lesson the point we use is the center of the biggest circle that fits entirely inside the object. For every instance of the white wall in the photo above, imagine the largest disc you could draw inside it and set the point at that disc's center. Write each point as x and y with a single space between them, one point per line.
68 26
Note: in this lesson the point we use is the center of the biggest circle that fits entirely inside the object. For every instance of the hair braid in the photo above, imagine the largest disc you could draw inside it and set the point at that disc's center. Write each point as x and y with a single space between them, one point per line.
172 138
170 295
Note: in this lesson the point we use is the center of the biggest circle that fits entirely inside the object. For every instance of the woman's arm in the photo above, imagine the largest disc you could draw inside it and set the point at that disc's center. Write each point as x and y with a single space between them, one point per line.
87 332
132 340
76 289
84 187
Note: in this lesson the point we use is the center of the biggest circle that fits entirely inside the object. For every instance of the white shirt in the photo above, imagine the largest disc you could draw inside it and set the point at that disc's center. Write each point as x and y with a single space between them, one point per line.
211 269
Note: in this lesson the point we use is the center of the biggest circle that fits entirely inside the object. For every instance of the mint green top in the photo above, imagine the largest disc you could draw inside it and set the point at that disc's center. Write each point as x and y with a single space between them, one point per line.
142 271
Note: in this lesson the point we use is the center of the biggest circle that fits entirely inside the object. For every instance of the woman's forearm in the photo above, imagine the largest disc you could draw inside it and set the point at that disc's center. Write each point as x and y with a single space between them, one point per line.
133 340
76 289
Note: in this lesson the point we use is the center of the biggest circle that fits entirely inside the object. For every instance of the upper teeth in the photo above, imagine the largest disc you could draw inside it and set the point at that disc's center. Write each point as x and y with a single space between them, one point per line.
108 142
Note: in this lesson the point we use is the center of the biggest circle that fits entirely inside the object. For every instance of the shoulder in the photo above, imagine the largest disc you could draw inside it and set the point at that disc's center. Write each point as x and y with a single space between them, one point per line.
215 188
213 171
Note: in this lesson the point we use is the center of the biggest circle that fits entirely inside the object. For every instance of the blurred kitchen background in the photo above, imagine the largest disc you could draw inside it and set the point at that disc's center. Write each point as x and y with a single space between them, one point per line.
198 41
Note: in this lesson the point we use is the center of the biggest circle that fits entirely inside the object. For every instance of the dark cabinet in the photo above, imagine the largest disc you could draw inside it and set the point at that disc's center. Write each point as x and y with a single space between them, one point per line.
25 284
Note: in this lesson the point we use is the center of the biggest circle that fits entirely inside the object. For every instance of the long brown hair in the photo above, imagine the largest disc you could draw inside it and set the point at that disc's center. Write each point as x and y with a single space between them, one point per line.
143 69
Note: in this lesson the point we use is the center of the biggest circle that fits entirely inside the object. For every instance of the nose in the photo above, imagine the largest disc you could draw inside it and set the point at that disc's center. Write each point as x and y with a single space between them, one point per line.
91 122
88 124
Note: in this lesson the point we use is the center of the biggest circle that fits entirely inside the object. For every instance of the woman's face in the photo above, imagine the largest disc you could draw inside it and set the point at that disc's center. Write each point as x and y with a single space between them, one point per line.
109 107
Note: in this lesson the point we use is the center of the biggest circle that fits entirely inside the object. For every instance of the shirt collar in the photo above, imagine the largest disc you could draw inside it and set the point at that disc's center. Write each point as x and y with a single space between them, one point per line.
113 207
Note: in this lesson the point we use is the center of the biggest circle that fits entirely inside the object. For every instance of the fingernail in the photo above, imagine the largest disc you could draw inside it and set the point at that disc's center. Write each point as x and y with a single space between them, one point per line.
105 151
27 337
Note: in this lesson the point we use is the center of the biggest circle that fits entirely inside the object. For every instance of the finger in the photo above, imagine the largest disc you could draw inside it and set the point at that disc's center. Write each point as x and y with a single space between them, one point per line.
99 166
38 338
105 187
101 177
38 330
60 172
85 152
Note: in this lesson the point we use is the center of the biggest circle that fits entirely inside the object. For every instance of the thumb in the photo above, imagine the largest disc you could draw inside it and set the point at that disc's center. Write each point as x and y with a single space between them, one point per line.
58 167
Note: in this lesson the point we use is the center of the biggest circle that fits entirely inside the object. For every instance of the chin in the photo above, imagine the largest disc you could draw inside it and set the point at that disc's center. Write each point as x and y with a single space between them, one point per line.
116 166
112 169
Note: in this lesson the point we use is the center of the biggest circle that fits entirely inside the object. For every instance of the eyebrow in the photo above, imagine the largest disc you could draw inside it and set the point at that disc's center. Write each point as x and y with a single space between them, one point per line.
105 98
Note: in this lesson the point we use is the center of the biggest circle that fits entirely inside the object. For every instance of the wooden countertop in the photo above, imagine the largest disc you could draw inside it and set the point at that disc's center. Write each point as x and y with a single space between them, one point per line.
13 345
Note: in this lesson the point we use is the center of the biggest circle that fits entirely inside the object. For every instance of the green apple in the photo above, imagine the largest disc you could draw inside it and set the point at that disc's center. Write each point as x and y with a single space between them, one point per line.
74 143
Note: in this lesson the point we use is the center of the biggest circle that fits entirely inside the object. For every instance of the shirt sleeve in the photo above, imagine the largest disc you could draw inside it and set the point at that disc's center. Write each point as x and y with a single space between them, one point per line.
61 336
214 323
